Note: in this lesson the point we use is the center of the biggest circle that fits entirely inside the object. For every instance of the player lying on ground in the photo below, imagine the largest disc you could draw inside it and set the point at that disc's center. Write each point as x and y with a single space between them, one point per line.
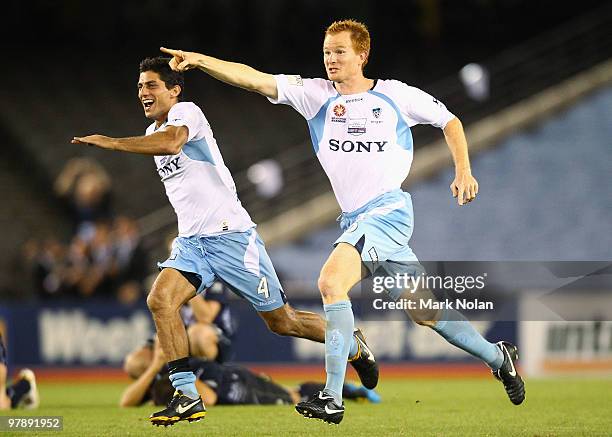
360 131
22 392
217 239
221 384
210 328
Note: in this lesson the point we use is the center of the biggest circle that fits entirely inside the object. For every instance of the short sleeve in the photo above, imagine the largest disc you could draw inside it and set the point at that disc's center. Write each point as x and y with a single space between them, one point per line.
422 108
306 96
186 114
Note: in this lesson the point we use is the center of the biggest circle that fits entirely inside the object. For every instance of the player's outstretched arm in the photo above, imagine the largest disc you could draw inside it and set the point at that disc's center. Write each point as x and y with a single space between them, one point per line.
232 73
464 186
164 142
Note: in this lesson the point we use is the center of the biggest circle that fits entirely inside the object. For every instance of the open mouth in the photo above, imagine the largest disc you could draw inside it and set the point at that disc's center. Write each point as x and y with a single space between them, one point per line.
147 103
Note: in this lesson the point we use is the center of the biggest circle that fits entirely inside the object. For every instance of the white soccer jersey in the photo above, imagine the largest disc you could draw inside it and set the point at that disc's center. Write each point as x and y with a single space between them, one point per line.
198 184
363 141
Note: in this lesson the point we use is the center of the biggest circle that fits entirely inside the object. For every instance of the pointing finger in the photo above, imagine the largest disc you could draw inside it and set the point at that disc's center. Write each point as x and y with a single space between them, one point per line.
170 51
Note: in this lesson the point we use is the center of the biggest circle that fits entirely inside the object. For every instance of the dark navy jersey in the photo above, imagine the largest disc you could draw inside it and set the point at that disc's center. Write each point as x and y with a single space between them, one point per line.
235 385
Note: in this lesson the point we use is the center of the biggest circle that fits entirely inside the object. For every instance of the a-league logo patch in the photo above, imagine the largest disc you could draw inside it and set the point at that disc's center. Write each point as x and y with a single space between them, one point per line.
339 110
357 126
376 112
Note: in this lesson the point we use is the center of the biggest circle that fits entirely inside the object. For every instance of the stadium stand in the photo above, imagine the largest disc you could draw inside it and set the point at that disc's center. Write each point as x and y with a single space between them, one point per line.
47 106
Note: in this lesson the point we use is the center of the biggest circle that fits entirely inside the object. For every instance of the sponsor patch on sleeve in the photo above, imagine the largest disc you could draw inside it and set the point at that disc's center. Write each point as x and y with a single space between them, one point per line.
295 80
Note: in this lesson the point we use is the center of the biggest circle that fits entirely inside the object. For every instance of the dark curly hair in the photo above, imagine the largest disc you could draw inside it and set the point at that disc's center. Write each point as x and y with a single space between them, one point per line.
159 65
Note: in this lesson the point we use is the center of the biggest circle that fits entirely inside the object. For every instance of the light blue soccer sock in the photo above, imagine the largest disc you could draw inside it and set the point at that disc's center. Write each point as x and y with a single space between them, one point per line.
458 331
185 382
182 378
338 335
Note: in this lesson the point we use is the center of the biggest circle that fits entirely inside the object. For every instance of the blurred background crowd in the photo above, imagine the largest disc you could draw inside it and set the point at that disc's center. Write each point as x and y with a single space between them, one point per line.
103 256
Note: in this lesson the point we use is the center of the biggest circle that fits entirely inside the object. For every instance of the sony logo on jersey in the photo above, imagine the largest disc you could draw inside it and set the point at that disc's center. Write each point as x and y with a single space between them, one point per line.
356 146
168 168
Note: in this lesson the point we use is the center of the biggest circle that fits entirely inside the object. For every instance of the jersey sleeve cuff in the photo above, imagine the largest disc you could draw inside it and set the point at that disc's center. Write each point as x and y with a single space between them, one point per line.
446 119
280 88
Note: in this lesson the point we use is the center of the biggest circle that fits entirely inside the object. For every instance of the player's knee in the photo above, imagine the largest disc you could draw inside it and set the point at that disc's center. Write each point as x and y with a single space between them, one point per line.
155 302
160 301
329 287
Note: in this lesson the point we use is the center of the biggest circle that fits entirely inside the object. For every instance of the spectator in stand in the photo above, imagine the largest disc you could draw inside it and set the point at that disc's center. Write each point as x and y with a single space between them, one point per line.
86 188
46 261
107 260
130 260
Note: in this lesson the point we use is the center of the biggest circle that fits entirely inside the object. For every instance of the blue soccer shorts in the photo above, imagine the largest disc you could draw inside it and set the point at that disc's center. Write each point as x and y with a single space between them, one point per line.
239 259
380 231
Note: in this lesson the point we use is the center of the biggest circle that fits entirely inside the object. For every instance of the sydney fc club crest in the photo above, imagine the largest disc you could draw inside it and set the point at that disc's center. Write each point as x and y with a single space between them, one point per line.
339 110
376 112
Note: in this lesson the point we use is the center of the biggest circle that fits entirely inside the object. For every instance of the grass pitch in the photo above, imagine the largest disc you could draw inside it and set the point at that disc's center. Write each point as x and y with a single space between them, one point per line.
423 407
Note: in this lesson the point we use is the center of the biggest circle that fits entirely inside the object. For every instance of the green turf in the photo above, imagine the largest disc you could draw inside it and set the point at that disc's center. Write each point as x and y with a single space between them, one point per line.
467 407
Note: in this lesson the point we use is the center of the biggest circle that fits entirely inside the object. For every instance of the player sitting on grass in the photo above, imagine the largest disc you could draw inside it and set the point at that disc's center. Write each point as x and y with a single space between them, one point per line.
221 384
217 238
23 392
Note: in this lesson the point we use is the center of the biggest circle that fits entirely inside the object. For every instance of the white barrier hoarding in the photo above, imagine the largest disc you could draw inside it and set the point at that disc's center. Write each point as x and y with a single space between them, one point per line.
577 343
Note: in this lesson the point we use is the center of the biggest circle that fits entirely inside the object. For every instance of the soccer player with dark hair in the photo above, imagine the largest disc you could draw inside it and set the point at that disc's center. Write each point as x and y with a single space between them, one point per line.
360 130
217 239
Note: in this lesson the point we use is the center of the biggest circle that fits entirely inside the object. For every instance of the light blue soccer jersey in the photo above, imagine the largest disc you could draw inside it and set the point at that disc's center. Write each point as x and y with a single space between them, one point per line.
363 141
197 182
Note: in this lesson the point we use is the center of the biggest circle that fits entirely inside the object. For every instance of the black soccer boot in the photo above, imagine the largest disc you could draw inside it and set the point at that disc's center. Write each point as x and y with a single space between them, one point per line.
181 407
507 374
364 362
321 406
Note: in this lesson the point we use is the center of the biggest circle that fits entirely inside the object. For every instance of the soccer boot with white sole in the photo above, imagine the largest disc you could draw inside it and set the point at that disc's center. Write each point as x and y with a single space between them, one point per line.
181 407
30 399
507 374
364 362
321 406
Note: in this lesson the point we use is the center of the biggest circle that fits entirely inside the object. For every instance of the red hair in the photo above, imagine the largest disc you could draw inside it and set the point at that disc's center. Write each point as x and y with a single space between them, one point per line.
360 37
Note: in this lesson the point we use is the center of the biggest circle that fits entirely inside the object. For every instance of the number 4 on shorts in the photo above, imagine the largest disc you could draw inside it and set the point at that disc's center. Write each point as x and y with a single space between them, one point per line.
263 287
